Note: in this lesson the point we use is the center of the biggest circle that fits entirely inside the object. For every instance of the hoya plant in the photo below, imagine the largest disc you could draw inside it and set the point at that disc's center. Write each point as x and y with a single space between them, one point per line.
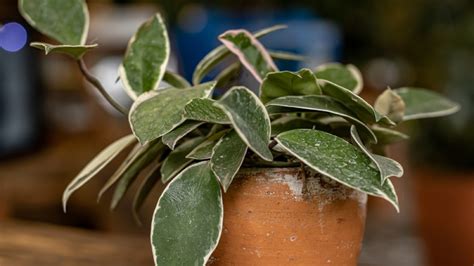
195 140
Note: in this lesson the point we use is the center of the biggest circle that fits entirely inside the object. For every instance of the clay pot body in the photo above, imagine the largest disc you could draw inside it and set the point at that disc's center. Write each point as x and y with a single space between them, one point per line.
445 216
282 216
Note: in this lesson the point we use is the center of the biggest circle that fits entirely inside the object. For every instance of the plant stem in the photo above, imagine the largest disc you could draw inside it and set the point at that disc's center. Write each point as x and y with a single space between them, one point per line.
96 83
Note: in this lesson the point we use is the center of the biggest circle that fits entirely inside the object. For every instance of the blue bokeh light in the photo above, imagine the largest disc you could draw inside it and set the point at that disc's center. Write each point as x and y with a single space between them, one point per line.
13 37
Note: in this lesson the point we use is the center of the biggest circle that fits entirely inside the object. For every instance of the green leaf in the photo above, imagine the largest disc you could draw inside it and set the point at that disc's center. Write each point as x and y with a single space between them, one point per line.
228 74
250 52
249 118
187 222
150 179
227 157
133 156
75 51
319 103
65 21
284 83
421 103
386 166
97 164
287 123
171 138
283 55
203 151
175 80
217 55
146 58
158 112
348 76
354 102
126 180
205 110
335 158
386 136
391 105
177 161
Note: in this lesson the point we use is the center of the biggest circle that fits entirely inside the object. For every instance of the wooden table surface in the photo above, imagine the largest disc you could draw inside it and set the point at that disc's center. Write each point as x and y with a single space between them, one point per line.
26 244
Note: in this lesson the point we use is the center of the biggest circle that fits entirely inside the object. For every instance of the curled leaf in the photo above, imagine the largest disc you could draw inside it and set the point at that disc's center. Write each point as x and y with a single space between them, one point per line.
75 51
390 104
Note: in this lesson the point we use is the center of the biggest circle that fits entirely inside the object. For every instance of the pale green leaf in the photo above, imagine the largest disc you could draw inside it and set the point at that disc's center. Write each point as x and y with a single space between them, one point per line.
228 74
250 52
249 118
158 112
386 166
391 105
97 164
146 58
203 151
75 51
335 158
187 222
177 161
284 83
283 55
175 80
171 138
205 110
132 172
386 136
346 76
421 103
217 55
65 21
318 103
227 157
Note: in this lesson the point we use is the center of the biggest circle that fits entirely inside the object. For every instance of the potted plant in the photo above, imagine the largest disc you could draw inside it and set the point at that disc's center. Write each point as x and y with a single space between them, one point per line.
292 163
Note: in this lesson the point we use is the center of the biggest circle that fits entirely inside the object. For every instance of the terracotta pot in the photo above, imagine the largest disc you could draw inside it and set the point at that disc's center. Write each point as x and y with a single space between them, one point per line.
445 216
282 216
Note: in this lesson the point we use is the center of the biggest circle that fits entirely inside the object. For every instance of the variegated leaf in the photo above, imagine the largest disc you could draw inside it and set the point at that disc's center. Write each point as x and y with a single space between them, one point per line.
204 150
205 110
346 76
75 51
391 105
178 133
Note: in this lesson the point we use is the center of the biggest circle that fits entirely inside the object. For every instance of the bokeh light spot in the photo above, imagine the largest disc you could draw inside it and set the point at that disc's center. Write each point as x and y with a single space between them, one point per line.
13 37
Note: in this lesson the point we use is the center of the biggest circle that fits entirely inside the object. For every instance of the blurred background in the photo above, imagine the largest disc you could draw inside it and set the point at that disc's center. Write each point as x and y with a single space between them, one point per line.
52 123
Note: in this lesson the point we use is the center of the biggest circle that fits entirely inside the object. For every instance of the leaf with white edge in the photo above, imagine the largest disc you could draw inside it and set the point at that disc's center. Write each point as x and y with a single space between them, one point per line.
337 159
133 155
175 80
249 118
347 76
319 103
205 110
354 102
171 138
65 21
227 157
283 55
177 161
386 136
126 180
287 123
228 74
146 58
97 164
421 103
158 112
150 180
250 52
391 105
188 219
75 51
204 150
217 55
387 167
284 83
